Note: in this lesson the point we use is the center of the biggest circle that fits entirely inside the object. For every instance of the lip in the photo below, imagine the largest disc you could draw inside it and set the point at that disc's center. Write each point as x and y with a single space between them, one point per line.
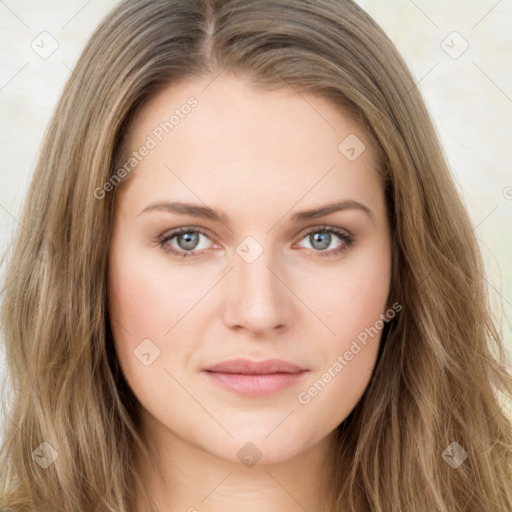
249 367
255 378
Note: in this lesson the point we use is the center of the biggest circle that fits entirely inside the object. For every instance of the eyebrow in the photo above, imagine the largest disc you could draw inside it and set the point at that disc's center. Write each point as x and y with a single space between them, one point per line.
206 212
340 206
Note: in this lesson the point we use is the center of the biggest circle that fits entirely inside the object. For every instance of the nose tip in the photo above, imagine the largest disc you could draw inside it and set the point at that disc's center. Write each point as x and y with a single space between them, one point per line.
257 300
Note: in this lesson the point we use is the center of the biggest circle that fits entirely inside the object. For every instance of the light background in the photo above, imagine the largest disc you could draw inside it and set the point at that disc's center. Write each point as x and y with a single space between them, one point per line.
470 98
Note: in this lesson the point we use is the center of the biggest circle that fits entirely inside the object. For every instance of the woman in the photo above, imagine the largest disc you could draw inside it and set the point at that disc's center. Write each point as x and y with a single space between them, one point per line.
246 279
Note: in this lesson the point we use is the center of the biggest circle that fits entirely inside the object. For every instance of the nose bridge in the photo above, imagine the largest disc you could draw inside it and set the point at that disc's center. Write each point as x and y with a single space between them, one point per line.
257 299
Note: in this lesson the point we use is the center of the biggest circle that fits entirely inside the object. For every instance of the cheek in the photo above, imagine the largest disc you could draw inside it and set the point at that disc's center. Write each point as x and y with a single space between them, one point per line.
354 303
348 358
355 296
146 304
147 295
142 305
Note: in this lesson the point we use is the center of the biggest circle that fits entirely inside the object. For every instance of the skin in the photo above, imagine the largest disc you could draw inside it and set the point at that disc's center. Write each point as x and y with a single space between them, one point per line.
259 157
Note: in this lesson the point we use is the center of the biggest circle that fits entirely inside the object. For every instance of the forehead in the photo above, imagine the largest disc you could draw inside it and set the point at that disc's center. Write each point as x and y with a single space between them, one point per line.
236 140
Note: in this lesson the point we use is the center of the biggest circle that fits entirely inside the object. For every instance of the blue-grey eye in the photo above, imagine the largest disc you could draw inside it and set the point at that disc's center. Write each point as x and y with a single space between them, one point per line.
320 240
187 241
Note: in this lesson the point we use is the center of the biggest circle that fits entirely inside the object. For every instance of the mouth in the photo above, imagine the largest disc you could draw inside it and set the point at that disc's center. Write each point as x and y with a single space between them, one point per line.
255 378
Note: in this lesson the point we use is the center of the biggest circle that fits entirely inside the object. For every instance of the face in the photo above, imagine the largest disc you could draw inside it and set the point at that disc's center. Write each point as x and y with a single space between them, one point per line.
250 259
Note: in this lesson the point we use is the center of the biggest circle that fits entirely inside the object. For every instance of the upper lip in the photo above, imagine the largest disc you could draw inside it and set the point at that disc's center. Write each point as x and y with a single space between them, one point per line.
249 367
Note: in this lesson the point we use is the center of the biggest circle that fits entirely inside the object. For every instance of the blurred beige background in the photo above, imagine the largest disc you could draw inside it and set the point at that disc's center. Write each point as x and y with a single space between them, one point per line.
460 52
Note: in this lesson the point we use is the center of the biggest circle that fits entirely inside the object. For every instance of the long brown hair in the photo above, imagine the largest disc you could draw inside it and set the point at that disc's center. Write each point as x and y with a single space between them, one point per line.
441 374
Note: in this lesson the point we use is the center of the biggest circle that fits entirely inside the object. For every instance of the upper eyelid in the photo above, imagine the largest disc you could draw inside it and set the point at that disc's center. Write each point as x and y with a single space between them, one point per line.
185 229
326 227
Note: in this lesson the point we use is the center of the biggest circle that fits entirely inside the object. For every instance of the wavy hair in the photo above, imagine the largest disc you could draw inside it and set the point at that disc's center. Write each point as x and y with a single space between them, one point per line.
442 372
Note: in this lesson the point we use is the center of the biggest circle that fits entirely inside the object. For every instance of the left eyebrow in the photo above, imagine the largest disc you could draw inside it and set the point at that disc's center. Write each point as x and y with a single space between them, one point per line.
332 208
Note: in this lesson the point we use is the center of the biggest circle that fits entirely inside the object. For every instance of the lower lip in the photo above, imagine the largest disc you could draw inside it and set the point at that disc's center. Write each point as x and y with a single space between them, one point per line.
255 385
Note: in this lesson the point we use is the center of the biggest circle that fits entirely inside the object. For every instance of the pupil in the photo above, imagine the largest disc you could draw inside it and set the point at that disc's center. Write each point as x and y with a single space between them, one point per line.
190 240
324 240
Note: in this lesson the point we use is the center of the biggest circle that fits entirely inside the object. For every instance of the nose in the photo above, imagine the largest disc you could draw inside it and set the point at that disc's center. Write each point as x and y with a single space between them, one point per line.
258 299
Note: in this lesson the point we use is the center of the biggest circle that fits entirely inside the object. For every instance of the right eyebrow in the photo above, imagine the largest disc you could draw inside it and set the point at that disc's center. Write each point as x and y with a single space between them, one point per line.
193 210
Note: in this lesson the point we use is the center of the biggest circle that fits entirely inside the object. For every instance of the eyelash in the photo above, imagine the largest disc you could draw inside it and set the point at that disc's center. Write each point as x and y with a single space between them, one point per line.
347 238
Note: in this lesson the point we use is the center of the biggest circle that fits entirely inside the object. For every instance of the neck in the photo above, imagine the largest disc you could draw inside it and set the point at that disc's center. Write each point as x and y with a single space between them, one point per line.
182 477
